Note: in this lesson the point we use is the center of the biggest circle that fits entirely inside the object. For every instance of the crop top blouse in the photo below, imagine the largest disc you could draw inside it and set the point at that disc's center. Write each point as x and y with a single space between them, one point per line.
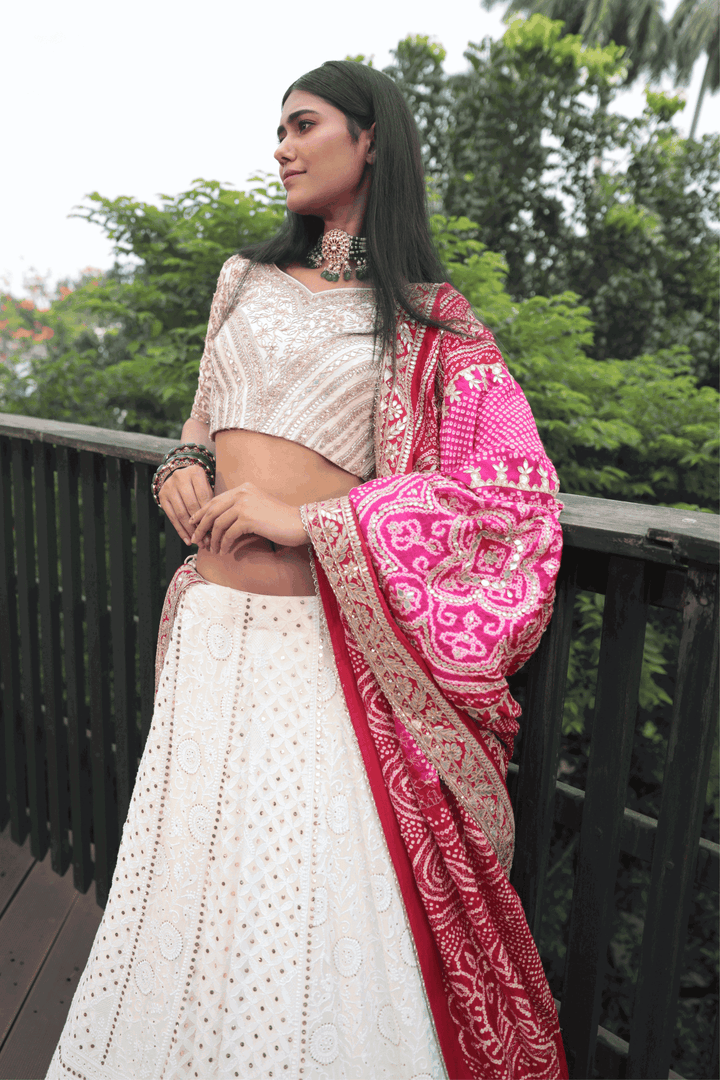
292 363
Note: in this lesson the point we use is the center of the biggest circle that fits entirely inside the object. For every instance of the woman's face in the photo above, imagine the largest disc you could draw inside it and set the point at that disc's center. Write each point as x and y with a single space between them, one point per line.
325 172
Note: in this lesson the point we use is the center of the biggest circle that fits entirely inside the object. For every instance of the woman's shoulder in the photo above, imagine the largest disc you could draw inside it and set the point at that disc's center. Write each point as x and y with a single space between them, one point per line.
443 302
231 280
233 269
456 310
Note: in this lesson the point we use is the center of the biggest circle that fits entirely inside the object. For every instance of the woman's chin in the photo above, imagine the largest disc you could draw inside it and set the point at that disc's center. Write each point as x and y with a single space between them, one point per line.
296 204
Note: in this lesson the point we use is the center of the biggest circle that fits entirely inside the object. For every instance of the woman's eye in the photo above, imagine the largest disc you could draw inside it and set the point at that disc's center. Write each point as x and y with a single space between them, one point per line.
302 124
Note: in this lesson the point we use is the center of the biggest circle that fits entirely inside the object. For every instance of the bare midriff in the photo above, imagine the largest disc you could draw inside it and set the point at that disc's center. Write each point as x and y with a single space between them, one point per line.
290 472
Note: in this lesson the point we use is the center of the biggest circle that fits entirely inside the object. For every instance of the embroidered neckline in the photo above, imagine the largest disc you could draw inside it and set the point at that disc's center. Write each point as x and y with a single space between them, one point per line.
323 292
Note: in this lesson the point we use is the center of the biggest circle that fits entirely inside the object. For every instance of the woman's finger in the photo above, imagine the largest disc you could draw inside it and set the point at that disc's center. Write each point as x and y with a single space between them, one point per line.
201 523
194 489
220 526
206 514
176 516
234 532
179 500
201 489
185 493
234 523
204 518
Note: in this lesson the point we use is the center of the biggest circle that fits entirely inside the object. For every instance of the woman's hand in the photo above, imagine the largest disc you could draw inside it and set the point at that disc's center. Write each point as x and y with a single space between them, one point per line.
246 510
185 492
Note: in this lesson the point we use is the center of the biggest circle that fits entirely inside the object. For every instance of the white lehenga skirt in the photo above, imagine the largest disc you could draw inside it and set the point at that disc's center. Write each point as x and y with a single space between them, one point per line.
254 926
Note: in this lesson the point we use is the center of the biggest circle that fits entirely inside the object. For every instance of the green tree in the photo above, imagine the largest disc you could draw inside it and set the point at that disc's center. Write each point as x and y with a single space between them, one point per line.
418 72
621 211
638 27
695 29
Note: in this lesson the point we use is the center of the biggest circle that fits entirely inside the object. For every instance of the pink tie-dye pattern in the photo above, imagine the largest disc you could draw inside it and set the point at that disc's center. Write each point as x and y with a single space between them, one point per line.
467 550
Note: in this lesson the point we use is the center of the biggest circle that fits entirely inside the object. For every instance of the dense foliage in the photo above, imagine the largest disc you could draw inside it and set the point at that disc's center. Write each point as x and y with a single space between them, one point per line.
573 195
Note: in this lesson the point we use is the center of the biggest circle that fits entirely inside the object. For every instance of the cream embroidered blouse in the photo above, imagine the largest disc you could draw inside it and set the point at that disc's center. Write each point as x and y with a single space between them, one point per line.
292 363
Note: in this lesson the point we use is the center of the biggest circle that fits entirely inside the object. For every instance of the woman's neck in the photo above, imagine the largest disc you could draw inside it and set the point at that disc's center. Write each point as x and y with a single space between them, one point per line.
350 217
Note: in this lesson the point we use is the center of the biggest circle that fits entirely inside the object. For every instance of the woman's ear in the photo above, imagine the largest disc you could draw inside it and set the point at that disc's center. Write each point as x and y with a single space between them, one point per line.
370 156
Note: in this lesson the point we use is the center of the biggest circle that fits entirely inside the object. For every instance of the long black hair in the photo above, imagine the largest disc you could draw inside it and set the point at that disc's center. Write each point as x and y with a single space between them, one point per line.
400 249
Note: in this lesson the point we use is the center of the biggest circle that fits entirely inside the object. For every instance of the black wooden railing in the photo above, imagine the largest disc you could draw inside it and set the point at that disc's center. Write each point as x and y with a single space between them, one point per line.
84 560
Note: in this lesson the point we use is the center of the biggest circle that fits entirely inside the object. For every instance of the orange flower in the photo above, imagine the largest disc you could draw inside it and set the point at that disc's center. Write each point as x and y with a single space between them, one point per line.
45 334
64 291
27 304
3 323
21 333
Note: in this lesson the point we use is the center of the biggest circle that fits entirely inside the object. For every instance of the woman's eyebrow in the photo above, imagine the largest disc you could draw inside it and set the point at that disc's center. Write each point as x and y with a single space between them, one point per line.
294 116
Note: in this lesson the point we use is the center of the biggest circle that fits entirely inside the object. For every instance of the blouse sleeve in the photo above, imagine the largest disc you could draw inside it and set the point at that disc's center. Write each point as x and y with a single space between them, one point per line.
464 556
229 276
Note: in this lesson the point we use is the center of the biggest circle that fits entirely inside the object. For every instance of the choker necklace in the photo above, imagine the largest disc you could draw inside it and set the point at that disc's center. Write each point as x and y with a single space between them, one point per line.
338 250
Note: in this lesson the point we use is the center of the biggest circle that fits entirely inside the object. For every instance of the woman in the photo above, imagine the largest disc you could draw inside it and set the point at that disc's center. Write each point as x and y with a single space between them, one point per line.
312 879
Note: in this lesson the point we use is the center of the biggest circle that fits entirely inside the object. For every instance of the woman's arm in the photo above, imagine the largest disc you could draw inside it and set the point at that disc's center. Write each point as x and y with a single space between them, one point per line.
197 432
187 490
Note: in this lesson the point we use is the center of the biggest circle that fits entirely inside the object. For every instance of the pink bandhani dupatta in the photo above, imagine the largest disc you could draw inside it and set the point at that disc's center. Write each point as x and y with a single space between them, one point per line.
437 581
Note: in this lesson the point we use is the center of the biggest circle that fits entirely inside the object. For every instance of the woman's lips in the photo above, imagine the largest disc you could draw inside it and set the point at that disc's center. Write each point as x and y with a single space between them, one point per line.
289 176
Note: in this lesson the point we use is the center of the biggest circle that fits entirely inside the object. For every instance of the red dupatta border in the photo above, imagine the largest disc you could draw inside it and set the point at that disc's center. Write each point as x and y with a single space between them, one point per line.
425 944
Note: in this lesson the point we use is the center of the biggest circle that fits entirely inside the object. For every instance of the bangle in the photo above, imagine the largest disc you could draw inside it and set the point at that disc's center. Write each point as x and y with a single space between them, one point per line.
180 457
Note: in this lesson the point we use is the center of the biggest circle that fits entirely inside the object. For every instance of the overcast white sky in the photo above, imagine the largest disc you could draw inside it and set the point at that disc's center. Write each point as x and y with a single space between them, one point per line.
143 96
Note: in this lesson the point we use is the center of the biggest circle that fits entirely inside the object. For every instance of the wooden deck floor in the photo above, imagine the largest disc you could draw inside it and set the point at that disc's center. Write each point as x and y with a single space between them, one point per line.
46 932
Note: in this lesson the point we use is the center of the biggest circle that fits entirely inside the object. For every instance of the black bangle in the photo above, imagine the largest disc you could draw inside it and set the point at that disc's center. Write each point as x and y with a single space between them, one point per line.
181 457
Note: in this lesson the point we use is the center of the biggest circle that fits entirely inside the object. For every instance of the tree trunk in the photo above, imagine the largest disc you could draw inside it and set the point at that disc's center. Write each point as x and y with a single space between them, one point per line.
701 95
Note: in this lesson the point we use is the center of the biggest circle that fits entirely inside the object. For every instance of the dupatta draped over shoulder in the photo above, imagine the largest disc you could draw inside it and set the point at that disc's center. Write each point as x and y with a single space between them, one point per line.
437 581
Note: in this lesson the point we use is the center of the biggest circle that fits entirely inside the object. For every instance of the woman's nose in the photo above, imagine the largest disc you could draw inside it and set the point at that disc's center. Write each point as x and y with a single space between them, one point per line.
283 151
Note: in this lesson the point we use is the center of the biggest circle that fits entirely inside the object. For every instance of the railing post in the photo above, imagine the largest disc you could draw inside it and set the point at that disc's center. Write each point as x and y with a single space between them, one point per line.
13 740
55 735
122 604
92 468
148 578
72 618
687 768
616 703
27 599
541 726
